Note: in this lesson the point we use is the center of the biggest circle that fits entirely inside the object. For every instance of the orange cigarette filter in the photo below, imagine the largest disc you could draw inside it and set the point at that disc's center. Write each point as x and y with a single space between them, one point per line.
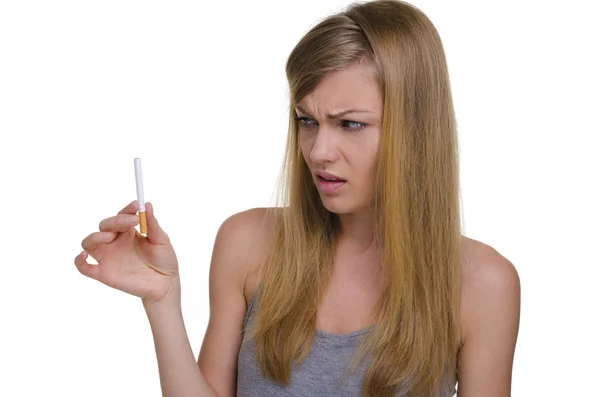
143 223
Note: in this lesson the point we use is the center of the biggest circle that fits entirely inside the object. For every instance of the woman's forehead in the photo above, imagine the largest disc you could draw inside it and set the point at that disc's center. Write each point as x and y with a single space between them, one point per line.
355 87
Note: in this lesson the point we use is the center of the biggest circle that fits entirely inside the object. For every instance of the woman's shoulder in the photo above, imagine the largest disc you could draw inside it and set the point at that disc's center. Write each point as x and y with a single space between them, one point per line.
490 312
250 220
250 233
483 263
485 273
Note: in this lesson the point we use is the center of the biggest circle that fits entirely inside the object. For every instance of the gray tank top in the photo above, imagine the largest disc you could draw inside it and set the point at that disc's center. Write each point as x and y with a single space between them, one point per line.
319 375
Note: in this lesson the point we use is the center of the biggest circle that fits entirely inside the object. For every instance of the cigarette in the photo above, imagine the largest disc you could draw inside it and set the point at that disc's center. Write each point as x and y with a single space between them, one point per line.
137 162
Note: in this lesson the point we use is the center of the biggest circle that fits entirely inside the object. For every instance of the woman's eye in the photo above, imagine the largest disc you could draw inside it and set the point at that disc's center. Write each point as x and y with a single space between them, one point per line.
352 125
347 125
305 121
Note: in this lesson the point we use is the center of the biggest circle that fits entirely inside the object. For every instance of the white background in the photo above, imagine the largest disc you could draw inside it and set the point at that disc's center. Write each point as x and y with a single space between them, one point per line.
198 91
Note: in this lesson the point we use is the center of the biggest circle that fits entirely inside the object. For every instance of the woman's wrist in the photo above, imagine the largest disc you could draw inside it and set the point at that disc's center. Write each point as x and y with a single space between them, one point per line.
171 299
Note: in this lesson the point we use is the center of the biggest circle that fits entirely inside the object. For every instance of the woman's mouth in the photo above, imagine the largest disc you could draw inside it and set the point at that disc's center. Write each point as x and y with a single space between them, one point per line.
329 185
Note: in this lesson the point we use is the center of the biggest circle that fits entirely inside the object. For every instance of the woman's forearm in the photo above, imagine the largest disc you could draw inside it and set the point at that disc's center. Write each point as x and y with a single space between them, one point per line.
177 366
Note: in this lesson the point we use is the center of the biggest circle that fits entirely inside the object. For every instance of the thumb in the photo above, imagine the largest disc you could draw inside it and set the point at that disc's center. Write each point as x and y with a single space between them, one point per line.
156 234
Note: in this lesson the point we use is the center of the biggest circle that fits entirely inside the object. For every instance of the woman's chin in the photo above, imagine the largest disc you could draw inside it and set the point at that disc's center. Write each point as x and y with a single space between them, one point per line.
339 205
335 205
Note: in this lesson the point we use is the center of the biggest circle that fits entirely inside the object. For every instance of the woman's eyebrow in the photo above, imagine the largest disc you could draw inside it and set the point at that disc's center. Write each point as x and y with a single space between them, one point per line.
335 115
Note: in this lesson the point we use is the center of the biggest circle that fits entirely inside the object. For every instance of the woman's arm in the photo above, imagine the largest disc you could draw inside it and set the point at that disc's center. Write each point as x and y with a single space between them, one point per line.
179 375
491 309
239 246
214 373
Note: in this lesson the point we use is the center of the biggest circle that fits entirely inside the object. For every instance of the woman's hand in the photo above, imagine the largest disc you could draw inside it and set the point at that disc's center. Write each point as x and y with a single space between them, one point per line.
142 266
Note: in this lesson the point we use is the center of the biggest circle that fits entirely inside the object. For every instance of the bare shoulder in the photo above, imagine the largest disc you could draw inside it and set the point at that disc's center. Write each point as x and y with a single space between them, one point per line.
250 234
238 247
486 275
490 314
484 268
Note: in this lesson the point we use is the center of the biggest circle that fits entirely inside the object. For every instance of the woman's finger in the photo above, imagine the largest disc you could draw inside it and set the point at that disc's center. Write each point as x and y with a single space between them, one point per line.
85 268
118 223
93 242
130 208
156 234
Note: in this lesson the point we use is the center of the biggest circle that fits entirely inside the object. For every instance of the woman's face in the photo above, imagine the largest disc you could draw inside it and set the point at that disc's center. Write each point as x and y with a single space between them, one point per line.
339 132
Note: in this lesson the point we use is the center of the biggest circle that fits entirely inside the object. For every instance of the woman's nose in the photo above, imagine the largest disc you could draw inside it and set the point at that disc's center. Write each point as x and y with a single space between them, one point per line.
325 147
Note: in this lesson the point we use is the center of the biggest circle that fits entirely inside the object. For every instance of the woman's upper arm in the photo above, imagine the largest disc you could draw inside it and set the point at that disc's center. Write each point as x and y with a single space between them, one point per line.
234 247
492 311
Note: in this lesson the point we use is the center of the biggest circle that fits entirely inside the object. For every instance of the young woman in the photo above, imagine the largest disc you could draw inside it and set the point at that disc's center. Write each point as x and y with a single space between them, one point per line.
360 283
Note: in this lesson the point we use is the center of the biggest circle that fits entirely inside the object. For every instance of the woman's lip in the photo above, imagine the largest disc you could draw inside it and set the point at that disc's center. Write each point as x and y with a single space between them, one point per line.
326 186
330 179
327 175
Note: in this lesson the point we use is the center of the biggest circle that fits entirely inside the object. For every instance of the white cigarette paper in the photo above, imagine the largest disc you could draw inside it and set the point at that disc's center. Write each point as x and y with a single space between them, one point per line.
137 162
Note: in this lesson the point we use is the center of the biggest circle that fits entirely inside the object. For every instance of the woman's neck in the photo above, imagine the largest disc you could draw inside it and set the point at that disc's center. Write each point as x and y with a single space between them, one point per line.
357 231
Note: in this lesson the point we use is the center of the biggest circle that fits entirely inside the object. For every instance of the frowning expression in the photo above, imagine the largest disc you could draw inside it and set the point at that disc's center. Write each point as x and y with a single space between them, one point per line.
339 132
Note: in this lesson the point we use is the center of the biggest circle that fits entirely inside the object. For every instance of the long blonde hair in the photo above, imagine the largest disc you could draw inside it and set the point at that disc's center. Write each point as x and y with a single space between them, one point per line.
416 204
